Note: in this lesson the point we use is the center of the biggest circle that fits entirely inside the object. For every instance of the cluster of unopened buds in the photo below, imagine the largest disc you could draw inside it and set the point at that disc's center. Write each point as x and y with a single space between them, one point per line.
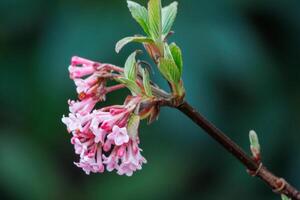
107 137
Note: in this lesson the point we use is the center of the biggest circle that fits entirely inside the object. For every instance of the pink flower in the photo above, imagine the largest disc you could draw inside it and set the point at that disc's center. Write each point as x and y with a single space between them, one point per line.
111 161
118 135
90 77
119 119
72 122
83 143
97 120
85 85
89 151
91 141
78 72
92 86
82 61
108 123
131 160
107 137
126 159
82 67
92 164
82 107
76 122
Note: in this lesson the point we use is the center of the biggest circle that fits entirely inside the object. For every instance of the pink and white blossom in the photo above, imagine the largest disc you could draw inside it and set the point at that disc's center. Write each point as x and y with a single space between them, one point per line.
98 147
90 78
85 85
82 67
105 138
96 122
82 107
76 122
131 160
118 135
72 122
92 164
76 60
111 161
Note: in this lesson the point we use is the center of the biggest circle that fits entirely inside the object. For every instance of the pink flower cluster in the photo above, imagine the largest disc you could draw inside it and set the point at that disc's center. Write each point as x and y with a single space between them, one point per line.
93 86
106 137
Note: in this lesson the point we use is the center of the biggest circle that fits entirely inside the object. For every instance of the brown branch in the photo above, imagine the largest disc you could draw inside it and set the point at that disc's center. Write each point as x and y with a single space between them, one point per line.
278 185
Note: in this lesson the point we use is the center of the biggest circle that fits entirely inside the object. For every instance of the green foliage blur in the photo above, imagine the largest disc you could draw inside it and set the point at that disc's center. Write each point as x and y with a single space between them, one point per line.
241 70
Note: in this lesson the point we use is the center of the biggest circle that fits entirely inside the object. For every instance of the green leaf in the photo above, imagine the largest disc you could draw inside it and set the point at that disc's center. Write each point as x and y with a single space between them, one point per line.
283 197
168 17
133 125
167 51
169 70
177 56
131 85
155 23
140 14
173 52
146 82
124 41
130 69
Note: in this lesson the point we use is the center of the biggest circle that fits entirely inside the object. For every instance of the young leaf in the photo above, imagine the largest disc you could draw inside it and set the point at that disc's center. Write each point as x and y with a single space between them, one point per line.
146 82
177 56
173 52
133 125
168 17
169 70
167 51
140 14
124 41
131 85
130 69
154 16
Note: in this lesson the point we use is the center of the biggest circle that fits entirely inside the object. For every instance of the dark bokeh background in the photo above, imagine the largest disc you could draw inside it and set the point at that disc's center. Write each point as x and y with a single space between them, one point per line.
242 71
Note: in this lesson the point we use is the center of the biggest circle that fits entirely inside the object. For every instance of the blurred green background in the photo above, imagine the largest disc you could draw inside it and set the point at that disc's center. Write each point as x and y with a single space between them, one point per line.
241 62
